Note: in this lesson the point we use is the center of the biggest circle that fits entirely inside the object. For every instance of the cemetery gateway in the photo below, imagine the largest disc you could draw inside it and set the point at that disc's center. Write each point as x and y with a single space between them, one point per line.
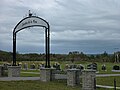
32 21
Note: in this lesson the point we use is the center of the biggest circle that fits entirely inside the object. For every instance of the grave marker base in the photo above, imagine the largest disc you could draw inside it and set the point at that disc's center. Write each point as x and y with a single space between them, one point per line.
14 71
47 74
73 77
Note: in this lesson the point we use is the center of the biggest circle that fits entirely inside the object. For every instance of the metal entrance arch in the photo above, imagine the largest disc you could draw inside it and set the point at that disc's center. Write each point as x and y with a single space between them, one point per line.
32 21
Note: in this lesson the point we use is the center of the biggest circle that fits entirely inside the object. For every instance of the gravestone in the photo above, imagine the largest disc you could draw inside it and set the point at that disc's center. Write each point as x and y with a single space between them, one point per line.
116 67
104 67
79 66
20 64
38 66
5 66
43 65
66 66
56 66
32 66
92 66
71 66
25 66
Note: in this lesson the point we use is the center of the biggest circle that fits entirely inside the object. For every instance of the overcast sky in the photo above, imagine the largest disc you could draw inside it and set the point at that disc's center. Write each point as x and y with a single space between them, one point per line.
89 26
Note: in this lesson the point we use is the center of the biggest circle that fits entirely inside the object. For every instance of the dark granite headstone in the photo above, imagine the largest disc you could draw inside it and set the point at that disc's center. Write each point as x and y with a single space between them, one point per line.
104 67
56 66
92 66
116 67
32 66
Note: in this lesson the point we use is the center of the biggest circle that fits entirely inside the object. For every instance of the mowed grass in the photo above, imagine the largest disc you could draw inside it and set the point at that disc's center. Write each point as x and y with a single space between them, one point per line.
29 75
108 81
36 85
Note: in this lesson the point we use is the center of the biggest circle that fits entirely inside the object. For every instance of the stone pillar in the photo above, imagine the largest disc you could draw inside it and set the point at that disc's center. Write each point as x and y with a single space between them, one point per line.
47 74
88 80
14 71
73 77
1 71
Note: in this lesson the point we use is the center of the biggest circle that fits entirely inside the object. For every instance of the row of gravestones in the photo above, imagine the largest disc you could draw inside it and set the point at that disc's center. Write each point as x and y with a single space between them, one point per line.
57 66
92 66
74 66
115 67
33 66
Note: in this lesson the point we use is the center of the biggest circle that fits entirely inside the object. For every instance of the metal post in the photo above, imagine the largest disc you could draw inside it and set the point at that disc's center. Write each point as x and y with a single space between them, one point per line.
48 46
94 83
46 49
114 84
14 49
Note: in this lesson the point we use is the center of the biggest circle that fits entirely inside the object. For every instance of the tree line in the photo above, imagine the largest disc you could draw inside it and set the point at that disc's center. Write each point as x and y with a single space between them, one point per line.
71 56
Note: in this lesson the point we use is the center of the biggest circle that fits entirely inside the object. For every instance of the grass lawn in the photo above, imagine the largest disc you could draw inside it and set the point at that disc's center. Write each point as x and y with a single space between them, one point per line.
30 70
36 85
29 75
109 81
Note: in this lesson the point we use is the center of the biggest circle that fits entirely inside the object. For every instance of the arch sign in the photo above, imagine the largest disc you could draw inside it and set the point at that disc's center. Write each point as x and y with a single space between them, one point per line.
32 21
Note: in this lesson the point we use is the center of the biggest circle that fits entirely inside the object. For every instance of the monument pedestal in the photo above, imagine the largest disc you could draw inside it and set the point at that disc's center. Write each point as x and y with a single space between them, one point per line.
88 80
14 71
47 74
73 77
